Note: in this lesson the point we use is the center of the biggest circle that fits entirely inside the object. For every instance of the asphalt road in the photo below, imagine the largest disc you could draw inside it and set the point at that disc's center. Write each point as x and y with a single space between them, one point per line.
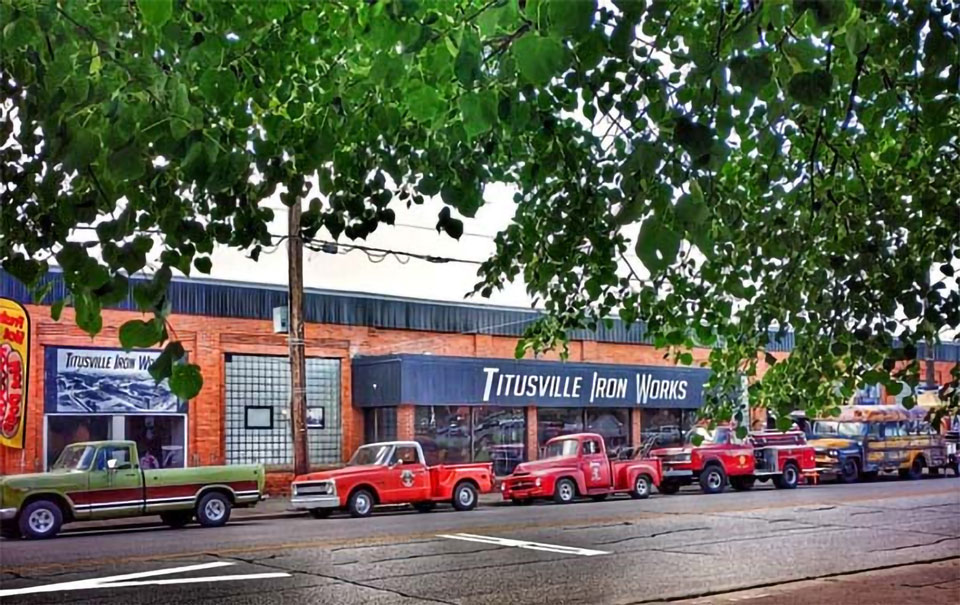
666 548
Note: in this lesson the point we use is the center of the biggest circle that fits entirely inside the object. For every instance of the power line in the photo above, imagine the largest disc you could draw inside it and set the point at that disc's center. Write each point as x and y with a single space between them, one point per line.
378 254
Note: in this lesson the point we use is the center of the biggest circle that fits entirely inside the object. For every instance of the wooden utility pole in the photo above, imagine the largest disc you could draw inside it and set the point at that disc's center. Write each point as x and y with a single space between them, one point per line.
295 335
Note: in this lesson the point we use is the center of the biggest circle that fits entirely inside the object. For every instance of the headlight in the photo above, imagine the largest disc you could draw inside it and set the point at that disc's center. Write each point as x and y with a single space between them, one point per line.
833 453
503 487
537 482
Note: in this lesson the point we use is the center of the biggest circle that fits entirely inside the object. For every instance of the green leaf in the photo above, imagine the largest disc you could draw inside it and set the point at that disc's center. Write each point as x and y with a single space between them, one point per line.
82 150
126 164
425 104
802 54
538 58
203 264
751 73
467 64
657 245
309 20
138 334
88 312
429 186
56 310
696 139
156 12
479 110
856 38
742 431
186 381
691 210
571 17
811 88
162 366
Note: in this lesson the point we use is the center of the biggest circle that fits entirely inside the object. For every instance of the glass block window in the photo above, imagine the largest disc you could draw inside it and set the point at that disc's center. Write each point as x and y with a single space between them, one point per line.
264 381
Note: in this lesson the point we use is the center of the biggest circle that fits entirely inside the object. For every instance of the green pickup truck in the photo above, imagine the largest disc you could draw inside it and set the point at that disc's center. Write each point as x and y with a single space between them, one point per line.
103 480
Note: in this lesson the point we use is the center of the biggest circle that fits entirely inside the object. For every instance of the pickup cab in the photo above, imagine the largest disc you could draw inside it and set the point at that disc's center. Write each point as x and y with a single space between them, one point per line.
391 472
579 465
722 457
103 480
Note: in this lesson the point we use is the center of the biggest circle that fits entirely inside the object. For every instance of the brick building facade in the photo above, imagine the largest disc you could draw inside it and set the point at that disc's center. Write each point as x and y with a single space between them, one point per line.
238 416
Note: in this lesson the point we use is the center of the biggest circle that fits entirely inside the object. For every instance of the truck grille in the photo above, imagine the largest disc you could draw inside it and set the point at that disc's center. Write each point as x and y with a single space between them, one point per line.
319 488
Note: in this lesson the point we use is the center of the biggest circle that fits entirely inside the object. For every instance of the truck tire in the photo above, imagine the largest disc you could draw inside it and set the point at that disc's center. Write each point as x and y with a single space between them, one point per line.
713 479
641 487
321 513
743 483
176 518
41 519
565 491
789 478
213 510
424 507
668 487
915 471
849 471
360 503
465 496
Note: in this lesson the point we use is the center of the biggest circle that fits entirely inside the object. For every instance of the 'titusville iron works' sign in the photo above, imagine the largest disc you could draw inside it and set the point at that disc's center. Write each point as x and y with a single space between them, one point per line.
14 372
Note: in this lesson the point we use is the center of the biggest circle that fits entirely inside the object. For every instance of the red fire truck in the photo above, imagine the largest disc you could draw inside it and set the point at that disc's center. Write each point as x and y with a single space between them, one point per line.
721 458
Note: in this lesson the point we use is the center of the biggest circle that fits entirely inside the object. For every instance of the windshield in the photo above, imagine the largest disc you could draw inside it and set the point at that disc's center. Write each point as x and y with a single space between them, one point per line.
825 428
564 447
75 458
716 436
370 454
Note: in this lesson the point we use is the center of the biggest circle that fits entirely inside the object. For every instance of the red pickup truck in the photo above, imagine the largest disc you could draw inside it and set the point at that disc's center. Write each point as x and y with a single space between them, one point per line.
722 457
392 472
578 465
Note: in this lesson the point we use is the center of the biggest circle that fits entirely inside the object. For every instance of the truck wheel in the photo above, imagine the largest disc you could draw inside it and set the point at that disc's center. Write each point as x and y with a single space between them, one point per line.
641 488
789 478
464 496
213 510
742 484
915 471
668 487
321 513
564 492
40 520
713 479
360 503
850 471
424 507
176 518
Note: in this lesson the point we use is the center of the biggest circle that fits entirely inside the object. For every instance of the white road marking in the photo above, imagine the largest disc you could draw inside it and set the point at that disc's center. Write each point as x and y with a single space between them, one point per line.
124 581
564 550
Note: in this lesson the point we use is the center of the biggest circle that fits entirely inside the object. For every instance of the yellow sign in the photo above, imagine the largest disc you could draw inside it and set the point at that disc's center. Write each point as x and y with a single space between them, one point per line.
14 372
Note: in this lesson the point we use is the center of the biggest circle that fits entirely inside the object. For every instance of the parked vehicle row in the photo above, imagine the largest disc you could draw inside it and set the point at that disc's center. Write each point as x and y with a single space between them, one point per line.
103 479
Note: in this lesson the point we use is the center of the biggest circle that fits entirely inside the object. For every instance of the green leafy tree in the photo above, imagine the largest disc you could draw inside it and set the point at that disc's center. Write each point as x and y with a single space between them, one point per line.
776 166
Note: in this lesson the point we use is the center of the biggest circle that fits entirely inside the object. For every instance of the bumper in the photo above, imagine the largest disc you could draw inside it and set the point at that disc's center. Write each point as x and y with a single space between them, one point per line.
677 474
7 513
827 465
524 491
310 502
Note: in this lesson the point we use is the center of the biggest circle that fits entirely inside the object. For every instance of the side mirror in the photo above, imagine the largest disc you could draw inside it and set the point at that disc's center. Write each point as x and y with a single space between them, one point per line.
112 464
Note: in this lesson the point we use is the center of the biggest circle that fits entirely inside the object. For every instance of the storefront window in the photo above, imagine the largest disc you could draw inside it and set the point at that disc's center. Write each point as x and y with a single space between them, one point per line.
613 424
64 430
379 424
159 440
499 436
553 422
667 425
444 433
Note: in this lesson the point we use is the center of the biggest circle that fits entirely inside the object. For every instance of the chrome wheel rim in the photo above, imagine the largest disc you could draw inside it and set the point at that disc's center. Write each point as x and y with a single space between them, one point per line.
641 486
465 496
362 504
214 509
566 491
40 521
713 480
